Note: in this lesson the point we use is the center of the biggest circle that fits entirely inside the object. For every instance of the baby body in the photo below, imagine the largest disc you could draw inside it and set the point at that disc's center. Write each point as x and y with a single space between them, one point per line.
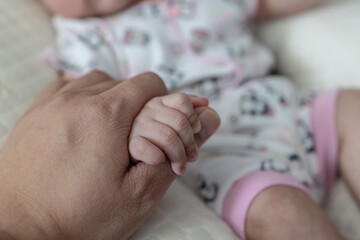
204 47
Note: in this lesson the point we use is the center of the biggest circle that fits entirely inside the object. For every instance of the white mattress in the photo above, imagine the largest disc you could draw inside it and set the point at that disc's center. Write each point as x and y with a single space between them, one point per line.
25 30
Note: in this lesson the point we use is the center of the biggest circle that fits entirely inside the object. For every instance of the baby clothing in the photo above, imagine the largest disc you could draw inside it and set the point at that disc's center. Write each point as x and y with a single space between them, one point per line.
183 41
271 134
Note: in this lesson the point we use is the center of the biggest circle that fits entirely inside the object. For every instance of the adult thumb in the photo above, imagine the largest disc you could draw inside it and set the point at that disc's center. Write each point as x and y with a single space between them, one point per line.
210 122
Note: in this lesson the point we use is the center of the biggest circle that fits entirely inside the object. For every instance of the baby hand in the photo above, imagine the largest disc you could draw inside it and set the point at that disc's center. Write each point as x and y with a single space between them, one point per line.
165 127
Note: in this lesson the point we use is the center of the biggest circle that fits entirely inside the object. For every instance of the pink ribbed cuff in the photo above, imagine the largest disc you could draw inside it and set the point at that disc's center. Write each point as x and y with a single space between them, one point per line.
323 126
243 192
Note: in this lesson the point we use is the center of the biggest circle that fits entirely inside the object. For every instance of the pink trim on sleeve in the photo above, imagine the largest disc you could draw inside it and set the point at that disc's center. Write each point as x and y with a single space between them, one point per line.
323 125
243 192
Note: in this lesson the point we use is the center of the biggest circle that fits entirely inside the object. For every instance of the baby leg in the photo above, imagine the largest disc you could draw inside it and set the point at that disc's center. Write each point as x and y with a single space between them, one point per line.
283 213
273 206
272 163
283 209
348 116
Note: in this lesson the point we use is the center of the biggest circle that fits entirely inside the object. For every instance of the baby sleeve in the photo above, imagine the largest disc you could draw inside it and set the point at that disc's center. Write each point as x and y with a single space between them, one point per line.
81 46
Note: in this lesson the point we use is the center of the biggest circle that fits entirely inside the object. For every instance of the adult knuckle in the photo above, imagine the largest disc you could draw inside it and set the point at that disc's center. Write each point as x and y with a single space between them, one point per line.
153 76
149 76
98 107
63 98
98 74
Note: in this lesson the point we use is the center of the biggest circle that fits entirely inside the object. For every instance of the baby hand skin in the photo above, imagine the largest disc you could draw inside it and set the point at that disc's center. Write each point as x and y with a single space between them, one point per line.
165 129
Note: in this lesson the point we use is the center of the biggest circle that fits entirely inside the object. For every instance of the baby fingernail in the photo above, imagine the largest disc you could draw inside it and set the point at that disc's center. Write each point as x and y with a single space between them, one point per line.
197 127
183 169
192 157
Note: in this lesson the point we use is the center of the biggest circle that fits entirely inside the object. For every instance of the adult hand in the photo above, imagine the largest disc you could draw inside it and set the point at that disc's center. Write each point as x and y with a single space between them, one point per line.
65 171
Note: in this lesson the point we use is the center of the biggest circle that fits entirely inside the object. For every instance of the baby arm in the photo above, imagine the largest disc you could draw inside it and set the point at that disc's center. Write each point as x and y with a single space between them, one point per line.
164 129
269 9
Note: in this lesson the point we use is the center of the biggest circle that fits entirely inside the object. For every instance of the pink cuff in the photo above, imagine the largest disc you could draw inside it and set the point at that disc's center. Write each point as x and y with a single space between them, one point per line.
243 192
323 126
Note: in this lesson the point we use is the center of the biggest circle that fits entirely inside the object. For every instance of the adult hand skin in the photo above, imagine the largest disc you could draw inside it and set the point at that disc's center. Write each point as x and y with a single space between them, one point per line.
65 171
